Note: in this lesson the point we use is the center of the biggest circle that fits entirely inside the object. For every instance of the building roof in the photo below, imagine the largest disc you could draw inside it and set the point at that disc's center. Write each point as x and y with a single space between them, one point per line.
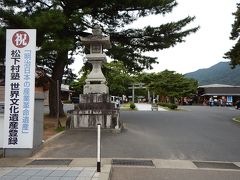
216 85
219 90
221 94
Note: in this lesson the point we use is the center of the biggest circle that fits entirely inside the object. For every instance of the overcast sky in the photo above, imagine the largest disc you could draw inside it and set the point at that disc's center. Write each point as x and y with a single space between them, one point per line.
202 49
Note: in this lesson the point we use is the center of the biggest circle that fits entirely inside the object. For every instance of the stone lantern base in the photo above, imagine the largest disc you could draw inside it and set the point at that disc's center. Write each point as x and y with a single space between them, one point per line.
95 89
94 109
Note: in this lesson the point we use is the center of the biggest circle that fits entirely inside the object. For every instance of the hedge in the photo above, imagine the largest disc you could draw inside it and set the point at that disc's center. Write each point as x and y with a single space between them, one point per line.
132 106
169 105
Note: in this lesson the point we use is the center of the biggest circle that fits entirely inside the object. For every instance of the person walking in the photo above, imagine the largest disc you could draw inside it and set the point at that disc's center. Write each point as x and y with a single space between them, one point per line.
211 101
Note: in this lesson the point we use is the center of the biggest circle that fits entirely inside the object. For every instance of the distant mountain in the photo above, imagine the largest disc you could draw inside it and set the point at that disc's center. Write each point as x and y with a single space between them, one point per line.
220 73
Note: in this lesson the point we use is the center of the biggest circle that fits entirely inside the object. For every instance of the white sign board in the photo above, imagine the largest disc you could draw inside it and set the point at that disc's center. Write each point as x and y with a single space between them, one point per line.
19 88
229 99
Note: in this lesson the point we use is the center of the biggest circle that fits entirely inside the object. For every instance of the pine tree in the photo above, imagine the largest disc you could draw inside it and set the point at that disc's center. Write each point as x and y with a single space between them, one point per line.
234 53
60 23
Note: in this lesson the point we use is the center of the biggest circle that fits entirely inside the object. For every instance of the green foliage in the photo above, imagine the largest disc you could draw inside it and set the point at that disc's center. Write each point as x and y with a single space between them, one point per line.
67 102
60 24
169 105
163 104
117 77
220 73
172 106
132 106
77 86
168 84
233 54
60 129
132 42
171 84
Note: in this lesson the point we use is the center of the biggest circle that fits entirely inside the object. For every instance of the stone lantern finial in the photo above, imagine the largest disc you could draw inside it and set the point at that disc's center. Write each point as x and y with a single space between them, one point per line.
97 30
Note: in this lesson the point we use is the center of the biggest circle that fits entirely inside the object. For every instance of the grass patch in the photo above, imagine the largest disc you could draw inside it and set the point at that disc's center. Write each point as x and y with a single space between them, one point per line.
126 106
168 109
67 102
236 119
60 129
168 105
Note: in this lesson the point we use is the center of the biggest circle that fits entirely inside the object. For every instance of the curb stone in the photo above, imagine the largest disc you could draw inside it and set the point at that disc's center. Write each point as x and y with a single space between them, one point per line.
106 172
53 137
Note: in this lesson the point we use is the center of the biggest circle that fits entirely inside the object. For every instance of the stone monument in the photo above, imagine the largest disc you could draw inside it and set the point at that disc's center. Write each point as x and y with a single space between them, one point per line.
95 103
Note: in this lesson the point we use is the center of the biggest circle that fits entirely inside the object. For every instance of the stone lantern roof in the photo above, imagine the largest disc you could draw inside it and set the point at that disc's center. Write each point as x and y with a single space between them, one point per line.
96 38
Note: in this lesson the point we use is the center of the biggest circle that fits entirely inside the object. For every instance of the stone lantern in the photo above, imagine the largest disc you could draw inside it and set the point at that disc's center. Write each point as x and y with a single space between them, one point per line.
96 82
95 106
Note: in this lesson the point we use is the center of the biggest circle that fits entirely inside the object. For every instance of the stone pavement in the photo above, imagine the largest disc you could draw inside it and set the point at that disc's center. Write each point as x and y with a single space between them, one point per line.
146 107
83 169
48 173
28 169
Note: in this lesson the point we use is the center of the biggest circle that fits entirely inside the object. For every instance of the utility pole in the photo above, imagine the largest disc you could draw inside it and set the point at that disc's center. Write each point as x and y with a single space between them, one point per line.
133 93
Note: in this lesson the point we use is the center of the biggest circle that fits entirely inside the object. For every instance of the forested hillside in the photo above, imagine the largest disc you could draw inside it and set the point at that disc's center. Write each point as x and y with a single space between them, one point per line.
220 73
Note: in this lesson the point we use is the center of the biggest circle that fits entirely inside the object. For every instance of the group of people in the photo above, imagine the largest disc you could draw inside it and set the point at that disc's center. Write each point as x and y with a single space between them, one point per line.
218 102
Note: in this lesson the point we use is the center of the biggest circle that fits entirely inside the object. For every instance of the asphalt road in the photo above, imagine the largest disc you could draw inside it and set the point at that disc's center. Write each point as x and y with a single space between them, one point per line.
197 133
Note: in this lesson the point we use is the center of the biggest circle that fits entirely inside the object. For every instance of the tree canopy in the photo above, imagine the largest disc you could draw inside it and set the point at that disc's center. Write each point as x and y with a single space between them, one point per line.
60 23
170 83
234 53
116 75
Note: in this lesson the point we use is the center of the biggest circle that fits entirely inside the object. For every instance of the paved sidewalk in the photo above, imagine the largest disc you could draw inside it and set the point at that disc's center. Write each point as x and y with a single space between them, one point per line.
138 173
83 169
49 173
147 107
27 169
176 170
